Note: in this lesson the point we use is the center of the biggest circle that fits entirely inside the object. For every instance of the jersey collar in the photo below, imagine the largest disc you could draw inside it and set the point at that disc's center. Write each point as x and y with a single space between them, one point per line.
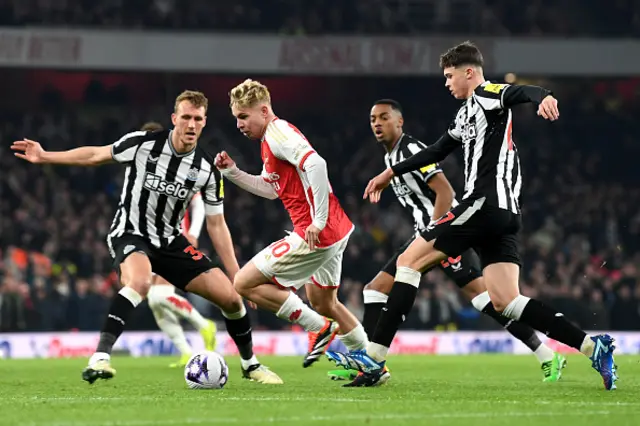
397 144
173 148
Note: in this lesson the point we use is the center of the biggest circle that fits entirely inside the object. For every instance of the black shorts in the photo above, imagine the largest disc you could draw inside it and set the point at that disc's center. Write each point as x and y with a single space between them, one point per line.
461 269
178 263
493 232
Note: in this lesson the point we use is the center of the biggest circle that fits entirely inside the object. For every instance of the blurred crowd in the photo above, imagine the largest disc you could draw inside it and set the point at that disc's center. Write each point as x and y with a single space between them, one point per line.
580 200
482 17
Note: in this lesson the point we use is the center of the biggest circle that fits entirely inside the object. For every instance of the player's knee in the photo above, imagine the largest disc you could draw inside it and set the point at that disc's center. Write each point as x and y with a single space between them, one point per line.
141 283
382 283
231 304
378 286
407 260
241 288
500 304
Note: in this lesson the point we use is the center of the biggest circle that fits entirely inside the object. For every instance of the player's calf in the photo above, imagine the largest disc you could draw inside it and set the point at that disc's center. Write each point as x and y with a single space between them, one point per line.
599 349
325 301
480 300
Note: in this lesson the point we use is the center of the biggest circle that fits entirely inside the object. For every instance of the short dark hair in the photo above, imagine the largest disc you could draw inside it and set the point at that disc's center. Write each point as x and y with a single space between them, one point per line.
151 126
391 102
466 53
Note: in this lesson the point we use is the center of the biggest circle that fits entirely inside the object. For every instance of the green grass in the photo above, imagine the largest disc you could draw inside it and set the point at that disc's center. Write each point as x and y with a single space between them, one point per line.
424 390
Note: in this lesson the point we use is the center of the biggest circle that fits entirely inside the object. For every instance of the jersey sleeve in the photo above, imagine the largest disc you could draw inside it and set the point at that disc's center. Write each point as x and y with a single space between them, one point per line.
124 150
490 96
289 144
429 170
197 209
213 195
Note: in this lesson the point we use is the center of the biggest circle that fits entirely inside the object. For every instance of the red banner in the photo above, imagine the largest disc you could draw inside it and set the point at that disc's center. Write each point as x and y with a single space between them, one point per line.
30 48
366 55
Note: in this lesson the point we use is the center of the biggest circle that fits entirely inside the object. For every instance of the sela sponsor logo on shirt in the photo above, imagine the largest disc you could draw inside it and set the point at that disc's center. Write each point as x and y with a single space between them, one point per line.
173 189
469 131
401 189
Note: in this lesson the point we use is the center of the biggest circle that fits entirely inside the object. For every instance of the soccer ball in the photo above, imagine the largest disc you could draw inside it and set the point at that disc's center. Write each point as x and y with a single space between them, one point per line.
206 370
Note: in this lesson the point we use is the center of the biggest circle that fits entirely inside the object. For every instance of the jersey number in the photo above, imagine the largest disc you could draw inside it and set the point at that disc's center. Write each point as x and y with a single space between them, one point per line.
194 253
280 248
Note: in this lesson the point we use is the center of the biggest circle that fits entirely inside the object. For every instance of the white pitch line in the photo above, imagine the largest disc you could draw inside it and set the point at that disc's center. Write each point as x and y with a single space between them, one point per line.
222 398
302 419
101 399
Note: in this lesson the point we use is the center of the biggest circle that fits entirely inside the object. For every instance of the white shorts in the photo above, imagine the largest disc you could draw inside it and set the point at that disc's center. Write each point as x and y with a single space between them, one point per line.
290 263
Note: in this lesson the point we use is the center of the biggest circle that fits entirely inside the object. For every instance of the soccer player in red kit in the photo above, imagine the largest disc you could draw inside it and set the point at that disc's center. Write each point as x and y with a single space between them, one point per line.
311 255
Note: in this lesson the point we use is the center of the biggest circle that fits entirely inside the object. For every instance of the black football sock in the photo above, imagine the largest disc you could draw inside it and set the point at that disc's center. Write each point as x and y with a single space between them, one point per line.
546 320
371 315
520 331
239 328
401 299
121 307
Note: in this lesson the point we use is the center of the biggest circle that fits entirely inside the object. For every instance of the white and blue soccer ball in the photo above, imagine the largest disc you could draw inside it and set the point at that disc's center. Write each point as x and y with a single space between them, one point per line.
206 370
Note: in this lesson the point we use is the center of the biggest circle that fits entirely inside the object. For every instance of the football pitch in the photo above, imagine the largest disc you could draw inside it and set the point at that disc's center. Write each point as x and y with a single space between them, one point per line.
424 390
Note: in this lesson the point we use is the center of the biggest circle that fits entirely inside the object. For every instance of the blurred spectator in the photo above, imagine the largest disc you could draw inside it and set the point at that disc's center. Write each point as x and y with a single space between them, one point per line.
294 17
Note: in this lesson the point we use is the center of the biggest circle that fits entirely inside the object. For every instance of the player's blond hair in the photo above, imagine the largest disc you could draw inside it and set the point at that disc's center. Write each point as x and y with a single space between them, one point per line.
197 99
248 94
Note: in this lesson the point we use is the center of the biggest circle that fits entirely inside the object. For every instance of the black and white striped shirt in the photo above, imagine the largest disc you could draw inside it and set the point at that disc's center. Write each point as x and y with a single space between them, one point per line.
411 188
483 127
158 186
491 163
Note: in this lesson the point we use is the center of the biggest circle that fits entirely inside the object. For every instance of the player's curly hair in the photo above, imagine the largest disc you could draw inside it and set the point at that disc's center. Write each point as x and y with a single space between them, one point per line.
466 53
249 93
197 99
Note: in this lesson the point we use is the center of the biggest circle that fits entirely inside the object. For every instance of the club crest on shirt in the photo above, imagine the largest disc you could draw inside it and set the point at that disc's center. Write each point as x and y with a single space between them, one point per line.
192 174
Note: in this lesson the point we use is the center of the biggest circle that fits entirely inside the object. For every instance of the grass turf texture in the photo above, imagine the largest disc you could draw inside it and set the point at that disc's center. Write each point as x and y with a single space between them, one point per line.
433 390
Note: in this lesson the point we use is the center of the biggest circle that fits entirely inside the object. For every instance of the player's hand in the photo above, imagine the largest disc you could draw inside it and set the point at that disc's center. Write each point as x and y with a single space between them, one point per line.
312 236
548 108
223 161
28 150
192 240
252 305
377 185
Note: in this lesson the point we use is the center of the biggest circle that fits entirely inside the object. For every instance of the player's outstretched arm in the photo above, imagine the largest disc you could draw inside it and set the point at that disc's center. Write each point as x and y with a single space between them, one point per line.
222 243
87 156
433 154
250 183
543 98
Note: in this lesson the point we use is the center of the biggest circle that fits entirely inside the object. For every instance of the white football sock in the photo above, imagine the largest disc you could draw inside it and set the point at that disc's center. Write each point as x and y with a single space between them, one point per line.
165 297
543 353
294 310
588 346
515 308
377 351
374 296
356 339
170 325
99 356
246 363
